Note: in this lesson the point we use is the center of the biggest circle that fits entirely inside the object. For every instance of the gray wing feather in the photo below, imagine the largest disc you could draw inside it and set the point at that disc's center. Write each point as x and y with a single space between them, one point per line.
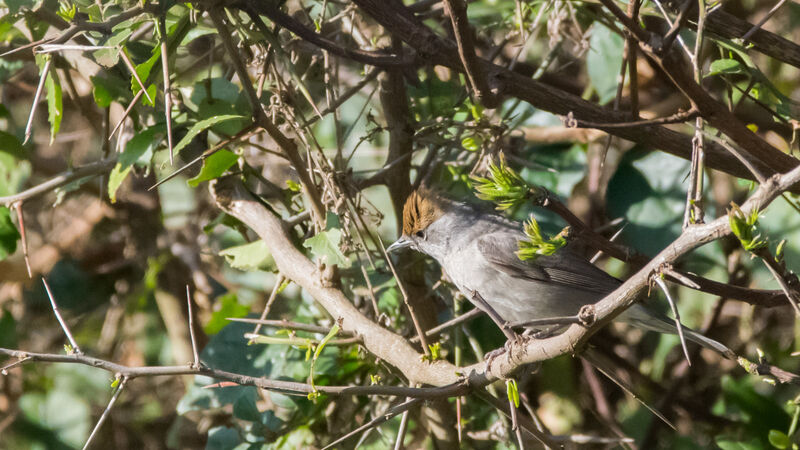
564 267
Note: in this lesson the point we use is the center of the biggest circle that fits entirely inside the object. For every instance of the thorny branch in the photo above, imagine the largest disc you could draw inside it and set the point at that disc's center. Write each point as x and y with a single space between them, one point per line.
233 199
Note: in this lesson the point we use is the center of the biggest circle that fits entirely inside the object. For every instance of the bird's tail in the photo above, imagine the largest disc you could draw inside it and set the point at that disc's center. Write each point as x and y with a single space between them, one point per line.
647 320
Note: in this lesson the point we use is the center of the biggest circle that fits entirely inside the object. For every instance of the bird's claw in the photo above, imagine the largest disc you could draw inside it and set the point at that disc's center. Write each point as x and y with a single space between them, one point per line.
516 339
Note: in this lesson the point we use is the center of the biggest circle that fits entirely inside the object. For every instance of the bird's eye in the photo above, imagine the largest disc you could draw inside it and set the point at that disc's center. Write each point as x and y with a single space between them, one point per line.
420 234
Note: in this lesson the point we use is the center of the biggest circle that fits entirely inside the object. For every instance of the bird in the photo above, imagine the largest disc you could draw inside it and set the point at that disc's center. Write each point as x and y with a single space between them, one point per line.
477 250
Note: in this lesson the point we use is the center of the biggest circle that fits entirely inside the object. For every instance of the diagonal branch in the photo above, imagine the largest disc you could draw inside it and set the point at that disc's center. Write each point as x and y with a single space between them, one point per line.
287 145
717 115
457 11
399 21
232 197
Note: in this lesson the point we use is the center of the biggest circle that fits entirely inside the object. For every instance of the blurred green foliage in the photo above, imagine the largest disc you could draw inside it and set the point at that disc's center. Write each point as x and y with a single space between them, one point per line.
119 275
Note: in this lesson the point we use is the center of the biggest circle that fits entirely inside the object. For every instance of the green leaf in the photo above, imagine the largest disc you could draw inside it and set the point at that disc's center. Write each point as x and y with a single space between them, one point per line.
8 234
512 391
325 244
471 143
228 307
726 66
252 256
109 57
536 245
779 439
603 61
318 351
143 70
11 145
214 166
504 187
108 87
138 146
55 109
198 127
731 443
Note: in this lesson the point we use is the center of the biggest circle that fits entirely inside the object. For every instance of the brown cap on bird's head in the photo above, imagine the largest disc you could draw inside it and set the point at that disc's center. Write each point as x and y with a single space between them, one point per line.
421 209
423 206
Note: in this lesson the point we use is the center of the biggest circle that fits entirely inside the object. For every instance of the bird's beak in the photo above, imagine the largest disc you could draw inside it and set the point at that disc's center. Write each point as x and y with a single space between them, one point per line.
403 242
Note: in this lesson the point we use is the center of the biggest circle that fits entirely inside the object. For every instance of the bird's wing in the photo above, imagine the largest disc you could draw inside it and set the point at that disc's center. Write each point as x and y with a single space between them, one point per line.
564 267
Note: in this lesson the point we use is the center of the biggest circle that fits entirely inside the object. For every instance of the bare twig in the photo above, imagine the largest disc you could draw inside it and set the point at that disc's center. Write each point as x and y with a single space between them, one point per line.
287 324
165 73
272 296
36 97
92 169
469 315
657 279
196 362
401 432
457 11
23 238
282 386
763 20
387 415
75 348
694 195
134 73
678 117
245 133
127 112
417 326
105 412
675 28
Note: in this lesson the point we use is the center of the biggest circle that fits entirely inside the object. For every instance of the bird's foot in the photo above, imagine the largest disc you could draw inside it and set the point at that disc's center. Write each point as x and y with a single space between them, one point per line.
516 339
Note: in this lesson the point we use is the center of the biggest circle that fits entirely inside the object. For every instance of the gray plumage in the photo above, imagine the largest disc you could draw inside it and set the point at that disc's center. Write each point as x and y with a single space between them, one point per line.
477 251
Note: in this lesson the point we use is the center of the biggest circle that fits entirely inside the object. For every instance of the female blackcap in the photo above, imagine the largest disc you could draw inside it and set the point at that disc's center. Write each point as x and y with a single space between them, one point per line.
478 252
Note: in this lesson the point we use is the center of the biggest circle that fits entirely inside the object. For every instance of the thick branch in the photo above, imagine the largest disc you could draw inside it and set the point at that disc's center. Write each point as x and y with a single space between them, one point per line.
403 24
279 17
717 115
232 198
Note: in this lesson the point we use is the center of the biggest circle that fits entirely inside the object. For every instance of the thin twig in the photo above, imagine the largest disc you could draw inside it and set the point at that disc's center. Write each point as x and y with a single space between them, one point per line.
106 411
92 169
245 133
134 73
167 93
127 112
417 326
469 315
763 20
288 387
272 296
457 10
679 117
781 282
36 97
675 28
196 355
4 370
388 414
286 324
401 432
23 239
677 315
75 348
694 195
